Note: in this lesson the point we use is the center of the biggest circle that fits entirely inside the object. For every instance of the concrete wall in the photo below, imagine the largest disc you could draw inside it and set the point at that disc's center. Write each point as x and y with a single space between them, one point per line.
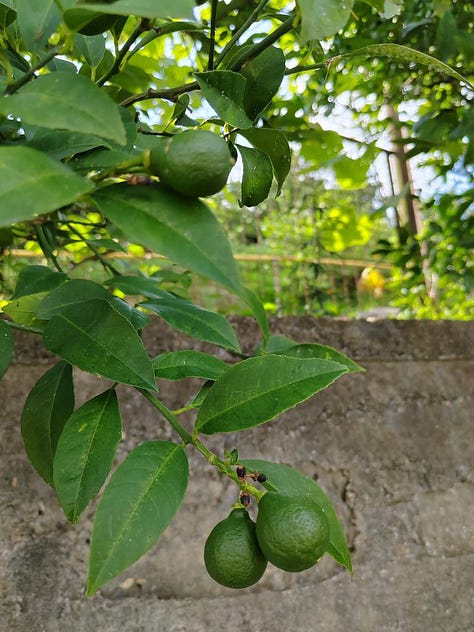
393 447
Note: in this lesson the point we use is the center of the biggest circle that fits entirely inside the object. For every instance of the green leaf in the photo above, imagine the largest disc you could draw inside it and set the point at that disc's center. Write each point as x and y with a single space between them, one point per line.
278 344
258 389
289 481
80 290
67 101
137 505
264 75
195 321
85 452
138 286
31 183
446 36
60 143
387 8
225 91
257 175
23 310
258 311
140 8
95 337
6 347
37 20
323 18
33 279
408 55
312 350
177 365
182 229
273 143
47 408
92 48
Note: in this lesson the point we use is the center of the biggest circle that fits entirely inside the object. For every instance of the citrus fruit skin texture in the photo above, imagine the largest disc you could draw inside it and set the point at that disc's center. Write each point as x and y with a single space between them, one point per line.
232 555
293 531
194 163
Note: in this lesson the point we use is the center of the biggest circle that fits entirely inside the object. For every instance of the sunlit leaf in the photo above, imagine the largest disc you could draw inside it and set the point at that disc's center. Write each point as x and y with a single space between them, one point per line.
225 91
31 183
258 389
67 101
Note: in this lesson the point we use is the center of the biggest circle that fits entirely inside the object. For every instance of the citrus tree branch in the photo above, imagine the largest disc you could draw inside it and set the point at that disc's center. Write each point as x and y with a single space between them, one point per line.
13 87
139 29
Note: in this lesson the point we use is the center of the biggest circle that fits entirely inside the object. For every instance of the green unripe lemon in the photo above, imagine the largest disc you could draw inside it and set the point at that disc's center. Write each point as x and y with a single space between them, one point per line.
195 163
232 555
293 531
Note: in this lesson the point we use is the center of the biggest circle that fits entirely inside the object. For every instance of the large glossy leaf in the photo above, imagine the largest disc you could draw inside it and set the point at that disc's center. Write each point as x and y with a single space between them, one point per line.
31 183
177 365
95 337
76 17
312 350
225 91
85 452
195 321
275 145
68 101
33 279
257 176
37 21
264 75
137 505
60 143
323 18
258 389
46 410
6 347
182 229
289 481
80 290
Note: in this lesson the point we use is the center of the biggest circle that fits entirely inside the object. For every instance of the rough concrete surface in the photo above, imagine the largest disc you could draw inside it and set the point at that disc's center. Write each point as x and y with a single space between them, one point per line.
393 448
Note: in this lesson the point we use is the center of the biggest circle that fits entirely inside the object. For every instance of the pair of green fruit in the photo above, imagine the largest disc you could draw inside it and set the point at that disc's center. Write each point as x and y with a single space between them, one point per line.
291 532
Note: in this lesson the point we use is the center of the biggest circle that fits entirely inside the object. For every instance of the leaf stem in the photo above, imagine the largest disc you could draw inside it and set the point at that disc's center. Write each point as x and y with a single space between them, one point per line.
193 440
13 87
169 94
98 255
168 415
240 31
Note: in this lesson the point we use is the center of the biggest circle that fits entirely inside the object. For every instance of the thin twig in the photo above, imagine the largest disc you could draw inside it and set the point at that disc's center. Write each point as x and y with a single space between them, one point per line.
240 31
212 45
13 87
123 51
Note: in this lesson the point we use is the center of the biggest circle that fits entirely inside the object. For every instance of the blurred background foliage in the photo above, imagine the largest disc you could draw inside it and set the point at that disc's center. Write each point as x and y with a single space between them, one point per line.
377 215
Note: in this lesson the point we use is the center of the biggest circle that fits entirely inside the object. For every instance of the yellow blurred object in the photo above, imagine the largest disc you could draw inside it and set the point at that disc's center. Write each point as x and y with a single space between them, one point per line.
371 280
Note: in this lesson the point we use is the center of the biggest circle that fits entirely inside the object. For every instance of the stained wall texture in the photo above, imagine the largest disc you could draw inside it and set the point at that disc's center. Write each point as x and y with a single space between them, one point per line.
393 447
